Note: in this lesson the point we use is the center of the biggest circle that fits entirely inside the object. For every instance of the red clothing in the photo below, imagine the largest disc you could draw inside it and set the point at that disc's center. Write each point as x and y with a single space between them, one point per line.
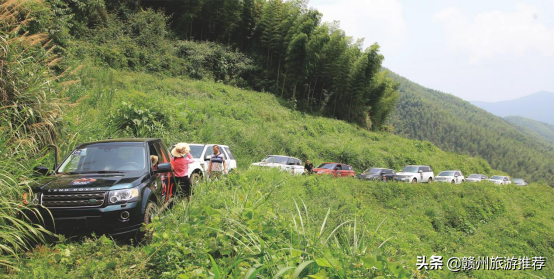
181 165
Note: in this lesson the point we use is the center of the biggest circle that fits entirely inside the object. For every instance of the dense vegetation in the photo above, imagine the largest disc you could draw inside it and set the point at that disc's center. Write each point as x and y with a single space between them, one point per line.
455 125
531 127
315 66
260 223
130 79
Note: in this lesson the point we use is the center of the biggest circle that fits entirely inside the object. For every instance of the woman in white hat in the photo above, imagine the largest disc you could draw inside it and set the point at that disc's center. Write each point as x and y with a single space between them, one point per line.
180 163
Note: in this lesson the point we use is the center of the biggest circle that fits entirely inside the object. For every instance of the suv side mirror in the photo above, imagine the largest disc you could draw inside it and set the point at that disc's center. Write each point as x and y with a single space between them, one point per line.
40 171
420 171
163 168
207 157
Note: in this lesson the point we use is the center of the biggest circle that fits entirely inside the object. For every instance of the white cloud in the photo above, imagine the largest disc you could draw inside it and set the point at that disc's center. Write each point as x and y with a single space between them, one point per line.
375 20
496 33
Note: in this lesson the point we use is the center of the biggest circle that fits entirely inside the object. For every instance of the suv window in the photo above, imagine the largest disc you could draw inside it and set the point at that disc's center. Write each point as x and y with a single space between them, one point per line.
154 155
229 153
426 169
388 171
346 167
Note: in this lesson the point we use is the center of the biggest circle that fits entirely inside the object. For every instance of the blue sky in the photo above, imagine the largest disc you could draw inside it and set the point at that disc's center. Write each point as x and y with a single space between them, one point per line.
489 50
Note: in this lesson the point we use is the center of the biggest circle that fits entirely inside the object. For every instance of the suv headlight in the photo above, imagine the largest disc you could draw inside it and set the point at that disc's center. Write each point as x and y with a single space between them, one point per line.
125 195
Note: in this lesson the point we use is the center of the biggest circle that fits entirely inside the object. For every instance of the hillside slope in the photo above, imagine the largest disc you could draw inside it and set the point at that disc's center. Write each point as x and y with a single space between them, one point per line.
269 221
455 125
254 124
530 126
538 106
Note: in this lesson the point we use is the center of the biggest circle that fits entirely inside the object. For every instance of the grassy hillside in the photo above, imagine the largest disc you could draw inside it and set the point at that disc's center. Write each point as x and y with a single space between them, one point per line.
266 222
455 125
254 124
532 127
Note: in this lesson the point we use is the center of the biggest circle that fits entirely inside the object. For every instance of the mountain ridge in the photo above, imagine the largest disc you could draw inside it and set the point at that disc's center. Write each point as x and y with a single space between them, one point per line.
456 125
538 106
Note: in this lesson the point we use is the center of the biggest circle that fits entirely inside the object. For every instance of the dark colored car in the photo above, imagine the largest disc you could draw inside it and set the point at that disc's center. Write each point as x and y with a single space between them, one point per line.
336 169
111 186
380 174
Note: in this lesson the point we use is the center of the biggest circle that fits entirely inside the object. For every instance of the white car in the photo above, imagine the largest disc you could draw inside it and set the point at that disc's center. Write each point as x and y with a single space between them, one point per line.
477 178
500 179
286 163
201 153
415 174
450 176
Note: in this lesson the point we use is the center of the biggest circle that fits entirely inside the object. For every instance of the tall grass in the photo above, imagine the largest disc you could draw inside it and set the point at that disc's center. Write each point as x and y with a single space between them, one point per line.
17 233
29 106
29 112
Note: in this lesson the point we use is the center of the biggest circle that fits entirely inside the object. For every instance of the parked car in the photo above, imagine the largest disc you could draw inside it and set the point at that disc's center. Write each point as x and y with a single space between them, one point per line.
380 174
477 178
201 153
450 176
520 182
500 179
415 174
111 186
289 164
336 169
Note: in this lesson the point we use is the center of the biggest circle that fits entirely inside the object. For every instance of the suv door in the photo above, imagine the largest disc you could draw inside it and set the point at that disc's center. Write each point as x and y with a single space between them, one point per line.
231 161
348 170
337 170
389 175
164 182
428 174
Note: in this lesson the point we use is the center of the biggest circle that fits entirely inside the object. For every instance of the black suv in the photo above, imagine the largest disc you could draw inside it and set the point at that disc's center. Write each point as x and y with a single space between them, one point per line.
110 186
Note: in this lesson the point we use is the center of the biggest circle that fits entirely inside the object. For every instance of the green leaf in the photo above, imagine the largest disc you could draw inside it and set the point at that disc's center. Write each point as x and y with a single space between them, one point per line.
300 268
215 268
283 271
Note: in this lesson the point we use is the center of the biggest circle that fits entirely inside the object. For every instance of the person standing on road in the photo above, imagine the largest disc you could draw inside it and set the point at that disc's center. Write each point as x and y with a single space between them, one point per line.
217 164
180 164
308 167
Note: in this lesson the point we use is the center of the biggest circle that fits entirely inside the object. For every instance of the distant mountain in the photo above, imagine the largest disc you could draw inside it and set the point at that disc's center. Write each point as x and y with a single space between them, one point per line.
458 126
532 127
538 106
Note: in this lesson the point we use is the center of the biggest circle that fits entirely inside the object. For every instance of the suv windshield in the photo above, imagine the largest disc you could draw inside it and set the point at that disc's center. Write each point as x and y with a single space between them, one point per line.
518 180
106 157
326 166
410 169
372 171
276 159
196 150
446 173
496 177
475 176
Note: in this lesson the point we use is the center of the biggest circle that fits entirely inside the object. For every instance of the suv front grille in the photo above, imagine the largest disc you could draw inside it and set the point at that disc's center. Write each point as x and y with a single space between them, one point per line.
95 199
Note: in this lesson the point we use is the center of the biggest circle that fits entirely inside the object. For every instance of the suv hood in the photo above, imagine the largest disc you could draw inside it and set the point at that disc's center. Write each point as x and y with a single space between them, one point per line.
407 173
88 182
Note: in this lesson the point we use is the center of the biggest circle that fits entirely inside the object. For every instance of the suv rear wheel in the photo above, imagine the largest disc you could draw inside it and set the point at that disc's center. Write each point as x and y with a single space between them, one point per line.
195 178
430 180
414 180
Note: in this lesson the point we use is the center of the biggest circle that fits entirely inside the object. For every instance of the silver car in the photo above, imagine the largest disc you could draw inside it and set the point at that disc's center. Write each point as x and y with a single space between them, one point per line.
477 178
500 179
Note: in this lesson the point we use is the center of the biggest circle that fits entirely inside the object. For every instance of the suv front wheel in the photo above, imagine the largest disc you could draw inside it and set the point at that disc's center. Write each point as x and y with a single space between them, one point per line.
146 235
195 178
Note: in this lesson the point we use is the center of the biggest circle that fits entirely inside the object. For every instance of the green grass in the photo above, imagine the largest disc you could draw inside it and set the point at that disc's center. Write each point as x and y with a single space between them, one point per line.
263 223
266 220
253 124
